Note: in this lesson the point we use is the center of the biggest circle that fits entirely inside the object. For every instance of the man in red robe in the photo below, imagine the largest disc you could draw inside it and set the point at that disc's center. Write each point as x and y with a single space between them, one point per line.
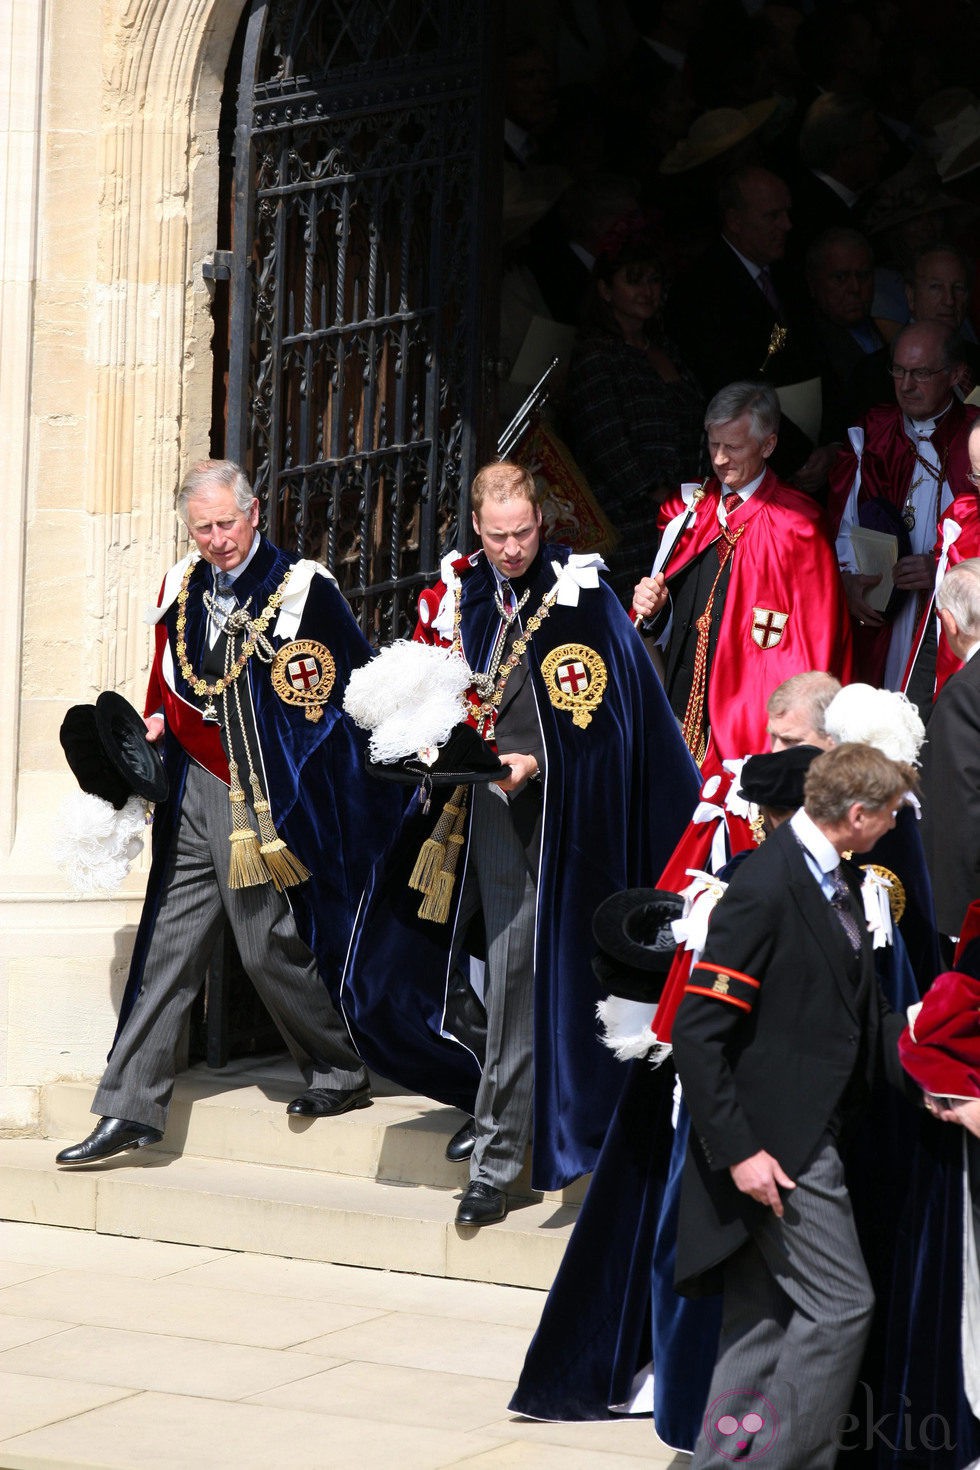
745 590
905 464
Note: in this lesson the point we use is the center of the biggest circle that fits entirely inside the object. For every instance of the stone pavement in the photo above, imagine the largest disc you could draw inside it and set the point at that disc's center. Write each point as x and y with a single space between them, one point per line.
123 1354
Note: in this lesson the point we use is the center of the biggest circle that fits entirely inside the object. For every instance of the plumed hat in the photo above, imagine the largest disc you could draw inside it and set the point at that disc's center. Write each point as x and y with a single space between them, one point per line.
775 779
106 747
636 942
940 1050
412 700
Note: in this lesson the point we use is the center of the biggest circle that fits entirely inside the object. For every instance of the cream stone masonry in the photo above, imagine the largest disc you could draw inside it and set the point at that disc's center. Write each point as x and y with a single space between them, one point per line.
108 151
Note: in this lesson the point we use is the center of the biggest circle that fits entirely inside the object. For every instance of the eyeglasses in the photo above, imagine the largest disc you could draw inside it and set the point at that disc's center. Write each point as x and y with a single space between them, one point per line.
973 477
918 375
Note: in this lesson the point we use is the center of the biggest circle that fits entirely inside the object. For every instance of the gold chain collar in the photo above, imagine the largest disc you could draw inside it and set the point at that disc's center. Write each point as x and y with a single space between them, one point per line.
256 628
485 710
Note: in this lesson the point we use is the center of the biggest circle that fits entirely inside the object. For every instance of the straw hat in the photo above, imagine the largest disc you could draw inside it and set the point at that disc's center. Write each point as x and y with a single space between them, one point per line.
715 132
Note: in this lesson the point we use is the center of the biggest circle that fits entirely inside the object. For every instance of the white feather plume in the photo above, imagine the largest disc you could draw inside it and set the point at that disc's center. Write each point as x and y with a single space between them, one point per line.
883 718
95 845
409 697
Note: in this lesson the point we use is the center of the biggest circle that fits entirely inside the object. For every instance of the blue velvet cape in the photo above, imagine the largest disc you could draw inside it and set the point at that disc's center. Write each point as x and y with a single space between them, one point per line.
617 796
325 807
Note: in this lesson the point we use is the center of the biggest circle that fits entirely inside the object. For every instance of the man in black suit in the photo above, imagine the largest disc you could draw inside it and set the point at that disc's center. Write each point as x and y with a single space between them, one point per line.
738 314
776 1043
951 758
842 149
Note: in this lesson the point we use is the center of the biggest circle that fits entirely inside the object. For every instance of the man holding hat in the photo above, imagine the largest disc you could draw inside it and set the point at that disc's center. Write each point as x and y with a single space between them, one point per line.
598 787
270 821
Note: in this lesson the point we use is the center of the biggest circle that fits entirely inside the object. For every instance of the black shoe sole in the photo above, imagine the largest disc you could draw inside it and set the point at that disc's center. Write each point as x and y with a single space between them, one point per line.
110 1153
363 1101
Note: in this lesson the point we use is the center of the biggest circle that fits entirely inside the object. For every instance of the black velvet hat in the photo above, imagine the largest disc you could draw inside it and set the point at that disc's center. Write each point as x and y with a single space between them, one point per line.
776 778
106 747
636 943
464 759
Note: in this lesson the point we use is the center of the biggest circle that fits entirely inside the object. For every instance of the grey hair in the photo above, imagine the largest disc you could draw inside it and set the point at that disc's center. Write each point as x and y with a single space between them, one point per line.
959 594
215 474
811 691
836 235
758 400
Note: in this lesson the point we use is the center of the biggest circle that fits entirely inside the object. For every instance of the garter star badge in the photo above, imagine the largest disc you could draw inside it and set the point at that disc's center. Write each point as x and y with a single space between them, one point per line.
575 678
303 672
767 626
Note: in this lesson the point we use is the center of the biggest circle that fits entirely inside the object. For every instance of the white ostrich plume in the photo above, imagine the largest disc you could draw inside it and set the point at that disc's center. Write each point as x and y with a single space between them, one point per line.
879 717
95 845
409 697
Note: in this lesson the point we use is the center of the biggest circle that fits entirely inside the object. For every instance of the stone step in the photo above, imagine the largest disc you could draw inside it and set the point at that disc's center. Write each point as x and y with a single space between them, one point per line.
238 1114
290 1211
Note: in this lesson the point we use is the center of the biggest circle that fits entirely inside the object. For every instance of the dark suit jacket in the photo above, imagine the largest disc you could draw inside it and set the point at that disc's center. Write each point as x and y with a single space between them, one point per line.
722 324
766 1057
951 797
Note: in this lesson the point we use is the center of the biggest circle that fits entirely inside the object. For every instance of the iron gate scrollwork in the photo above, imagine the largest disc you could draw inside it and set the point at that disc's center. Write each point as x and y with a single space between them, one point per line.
355 395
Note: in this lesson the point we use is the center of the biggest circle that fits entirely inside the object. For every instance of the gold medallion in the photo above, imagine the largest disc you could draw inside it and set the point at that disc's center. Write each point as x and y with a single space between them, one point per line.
575 678
303 673
896 893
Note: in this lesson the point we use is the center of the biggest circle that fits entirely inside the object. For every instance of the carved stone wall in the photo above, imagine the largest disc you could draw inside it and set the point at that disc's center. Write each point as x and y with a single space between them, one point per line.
108 143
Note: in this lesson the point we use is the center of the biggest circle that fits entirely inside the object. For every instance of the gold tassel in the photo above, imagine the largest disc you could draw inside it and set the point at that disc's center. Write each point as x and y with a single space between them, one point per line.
285 869
432 854
438 901
245 867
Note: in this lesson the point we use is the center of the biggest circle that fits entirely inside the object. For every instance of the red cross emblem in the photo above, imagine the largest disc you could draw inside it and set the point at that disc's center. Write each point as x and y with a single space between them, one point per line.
303 673
573 677
767 626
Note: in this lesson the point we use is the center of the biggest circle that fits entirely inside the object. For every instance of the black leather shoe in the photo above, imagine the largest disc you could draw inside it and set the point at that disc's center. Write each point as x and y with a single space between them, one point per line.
462 1143
109 1136
327 1102
481 1205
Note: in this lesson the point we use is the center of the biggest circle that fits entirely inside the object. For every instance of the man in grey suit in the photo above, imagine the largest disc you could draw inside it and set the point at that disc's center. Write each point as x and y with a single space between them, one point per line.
776 1042
267 795
951 759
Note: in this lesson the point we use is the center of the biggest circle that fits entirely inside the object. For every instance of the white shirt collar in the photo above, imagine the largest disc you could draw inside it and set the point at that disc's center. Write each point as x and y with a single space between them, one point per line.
585 256
670 54
970 652
754 270
817 844
518 140
841 190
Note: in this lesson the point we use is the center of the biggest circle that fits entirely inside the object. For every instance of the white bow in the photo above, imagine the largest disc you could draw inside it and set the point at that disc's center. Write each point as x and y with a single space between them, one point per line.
700 898
445 618
580 573
877 909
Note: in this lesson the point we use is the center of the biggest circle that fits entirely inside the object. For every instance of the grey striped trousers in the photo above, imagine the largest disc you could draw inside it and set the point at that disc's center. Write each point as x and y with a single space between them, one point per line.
138 1082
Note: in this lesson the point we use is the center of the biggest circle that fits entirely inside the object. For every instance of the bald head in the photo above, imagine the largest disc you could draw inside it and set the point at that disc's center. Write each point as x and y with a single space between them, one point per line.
927 360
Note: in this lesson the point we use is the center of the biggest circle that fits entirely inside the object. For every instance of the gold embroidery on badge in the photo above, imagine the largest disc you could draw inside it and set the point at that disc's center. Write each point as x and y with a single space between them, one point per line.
721 984
303 673
575 678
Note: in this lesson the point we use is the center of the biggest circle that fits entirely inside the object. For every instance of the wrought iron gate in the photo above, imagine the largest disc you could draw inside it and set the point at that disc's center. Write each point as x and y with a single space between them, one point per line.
365 232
